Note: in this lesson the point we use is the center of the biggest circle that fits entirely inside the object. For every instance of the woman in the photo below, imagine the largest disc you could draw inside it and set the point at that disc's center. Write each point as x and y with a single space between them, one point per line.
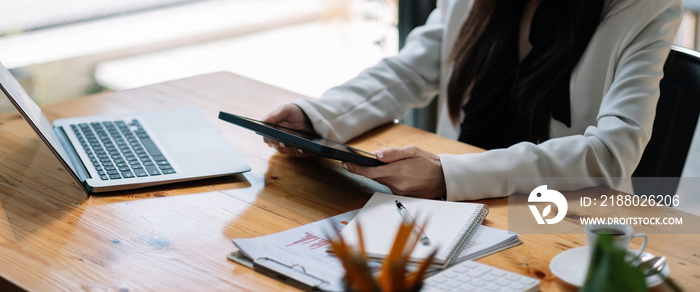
551 88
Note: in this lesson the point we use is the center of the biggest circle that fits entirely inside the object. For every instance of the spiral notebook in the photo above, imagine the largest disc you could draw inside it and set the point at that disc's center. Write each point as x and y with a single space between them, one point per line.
449 226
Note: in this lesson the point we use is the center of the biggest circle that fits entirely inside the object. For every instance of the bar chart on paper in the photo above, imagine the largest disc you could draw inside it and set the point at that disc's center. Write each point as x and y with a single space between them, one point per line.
311 241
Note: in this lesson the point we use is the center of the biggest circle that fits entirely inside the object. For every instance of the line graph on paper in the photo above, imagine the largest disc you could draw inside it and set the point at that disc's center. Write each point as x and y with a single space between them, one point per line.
310 240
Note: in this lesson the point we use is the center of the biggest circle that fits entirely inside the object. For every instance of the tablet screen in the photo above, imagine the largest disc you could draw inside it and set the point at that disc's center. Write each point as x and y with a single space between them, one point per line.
305 141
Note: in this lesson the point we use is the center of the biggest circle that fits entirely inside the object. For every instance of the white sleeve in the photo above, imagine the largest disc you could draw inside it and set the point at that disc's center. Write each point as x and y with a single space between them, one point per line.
611 148
384 92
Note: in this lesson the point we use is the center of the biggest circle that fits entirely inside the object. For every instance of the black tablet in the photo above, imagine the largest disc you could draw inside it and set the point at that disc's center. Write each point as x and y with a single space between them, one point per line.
320 146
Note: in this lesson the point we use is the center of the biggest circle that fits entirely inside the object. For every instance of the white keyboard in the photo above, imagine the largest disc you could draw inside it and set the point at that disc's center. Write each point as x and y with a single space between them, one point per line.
475 276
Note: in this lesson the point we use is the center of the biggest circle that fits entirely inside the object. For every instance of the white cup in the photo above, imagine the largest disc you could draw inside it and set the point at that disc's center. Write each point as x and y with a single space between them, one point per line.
622 234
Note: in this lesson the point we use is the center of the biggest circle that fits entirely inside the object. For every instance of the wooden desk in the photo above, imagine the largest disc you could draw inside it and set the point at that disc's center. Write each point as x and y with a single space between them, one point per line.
54 237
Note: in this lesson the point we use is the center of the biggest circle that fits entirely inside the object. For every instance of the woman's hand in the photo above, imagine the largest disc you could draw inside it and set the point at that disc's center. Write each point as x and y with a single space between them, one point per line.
288 116
410 171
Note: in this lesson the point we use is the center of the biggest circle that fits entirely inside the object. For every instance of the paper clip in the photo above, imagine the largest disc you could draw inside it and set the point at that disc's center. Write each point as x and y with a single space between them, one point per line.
278 274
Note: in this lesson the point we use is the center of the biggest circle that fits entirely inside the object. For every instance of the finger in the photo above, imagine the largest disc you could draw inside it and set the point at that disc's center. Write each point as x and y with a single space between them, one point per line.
288 150
274 143
280 147
277 115
269 141
372 172
395 154
296 152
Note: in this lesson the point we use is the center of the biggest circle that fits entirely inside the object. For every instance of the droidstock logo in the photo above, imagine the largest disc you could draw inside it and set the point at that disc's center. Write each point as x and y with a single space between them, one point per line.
542 195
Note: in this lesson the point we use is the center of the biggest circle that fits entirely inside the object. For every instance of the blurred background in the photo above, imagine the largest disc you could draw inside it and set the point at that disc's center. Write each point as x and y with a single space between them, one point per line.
70 48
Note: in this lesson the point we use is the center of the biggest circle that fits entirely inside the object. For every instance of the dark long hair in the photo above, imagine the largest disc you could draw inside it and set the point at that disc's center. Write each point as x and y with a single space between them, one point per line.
481 45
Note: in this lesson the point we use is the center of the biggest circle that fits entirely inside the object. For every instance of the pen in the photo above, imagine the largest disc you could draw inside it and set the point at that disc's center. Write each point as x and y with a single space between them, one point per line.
409 220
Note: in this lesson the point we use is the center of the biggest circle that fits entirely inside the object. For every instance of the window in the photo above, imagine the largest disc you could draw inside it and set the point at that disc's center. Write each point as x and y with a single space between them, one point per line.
81 46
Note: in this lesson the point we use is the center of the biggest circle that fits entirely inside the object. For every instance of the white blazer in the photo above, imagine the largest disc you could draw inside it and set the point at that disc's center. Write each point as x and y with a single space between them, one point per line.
614 91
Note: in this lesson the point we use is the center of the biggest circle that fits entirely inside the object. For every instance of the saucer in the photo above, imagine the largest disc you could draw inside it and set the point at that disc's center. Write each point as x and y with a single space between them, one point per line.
571 267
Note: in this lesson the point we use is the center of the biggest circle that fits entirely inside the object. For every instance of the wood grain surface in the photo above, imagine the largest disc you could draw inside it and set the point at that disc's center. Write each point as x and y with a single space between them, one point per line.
53 237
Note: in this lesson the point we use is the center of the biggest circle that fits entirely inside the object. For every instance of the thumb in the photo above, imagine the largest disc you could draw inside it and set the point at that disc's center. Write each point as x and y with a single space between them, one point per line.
278 115
395 154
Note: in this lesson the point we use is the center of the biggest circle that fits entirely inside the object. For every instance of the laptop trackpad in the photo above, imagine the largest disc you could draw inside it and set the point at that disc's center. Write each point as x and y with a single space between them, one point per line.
192 140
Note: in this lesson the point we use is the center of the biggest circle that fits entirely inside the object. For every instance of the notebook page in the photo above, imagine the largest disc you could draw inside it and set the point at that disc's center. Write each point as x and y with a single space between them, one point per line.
446 224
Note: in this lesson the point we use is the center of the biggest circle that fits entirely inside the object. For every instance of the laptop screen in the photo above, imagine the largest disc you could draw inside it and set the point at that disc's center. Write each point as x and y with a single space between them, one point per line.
31 112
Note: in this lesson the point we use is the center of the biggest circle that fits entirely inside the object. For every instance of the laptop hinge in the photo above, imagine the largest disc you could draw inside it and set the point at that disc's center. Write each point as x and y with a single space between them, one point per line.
75 160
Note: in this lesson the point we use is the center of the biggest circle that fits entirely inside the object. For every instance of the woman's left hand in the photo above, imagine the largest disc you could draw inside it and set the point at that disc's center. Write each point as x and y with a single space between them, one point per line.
410 171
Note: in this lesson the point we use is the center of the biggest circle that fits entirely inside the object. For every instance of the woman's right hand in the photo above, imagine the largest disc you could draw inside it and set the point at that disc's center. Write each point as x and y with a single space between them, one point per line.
288 116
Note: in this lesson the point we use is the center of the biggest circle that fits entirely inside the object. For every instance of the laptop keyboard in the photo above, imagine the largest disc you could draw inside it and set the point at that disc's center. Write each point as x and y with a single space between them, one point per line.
121 150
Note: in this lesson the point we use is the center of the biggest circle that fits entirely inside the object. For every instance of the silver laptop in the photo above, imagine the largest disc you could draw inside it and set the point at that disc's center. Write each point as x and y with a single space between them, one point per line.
121 152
